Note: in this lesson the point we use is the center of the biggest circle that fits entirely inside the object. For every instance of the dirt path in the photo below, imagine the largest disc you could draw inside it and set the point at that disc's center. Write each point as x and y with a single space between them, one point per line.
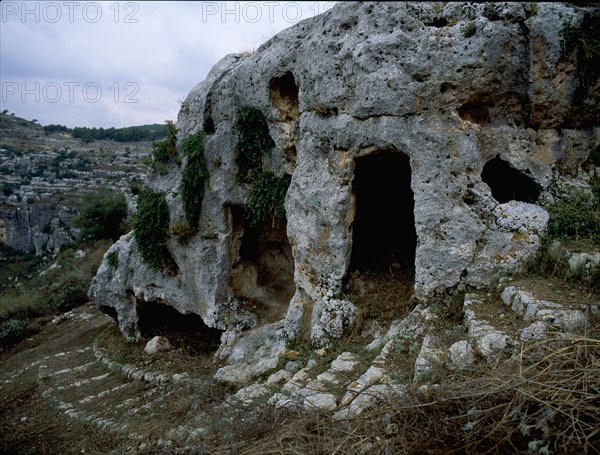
30 423
62 393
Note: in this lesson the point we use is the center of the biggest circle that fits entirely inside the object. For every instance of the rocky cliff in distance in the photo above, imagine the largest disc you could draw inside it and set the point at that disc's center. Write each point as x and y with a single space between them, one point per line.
45 175
423 135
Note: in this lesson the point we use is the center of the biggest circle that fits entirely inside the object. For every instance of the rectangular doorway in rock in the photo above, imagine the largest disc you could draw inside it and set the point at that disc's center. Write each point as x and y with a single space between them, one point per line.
261 266
384 222
187 332
381 275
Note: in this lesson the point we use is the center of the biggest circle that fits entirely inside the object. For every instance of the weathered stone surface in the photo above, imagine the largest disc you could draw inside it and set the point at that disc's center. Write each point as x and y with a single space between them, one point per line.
330 318
367 80
369 397
535 331
429 360
157 344
252 355
492 342
514 237
460 355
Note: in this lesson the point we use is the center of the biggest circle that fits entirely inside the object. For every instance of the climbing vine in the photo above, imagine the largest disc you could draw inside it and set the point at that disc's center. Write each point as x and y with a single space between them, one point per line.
585 42
267 198
150 228
253 141
193 177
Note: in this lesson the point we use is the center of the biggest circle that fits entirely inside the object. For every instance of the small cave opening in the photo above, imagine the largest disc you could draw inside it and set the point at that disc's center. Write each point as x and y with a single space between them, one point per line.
284 96
384 224
507 183
110 311
262 266
477 109
208 126
184 331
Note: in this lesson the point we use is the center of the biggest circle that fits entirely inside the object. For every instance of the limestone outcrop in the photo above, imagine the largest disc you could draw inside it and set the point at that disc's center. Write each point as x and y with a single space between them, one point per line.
422 134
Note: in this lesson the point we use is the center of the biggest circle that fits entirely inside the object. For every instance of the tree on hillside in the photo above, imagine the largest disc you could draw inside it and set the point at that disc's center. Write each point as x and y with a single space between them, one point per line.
101 215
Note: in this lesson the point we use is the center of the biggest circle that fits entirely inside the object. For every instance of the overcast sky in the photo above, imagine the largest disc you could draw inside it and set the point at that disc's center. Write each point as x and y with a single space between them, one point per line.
124 63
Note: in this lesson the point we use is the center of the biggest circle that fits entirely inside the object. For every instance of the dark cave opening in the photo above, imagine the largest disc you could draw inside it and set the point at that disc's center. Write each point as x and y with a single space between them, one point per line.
187 331
262 266
507 183
384 224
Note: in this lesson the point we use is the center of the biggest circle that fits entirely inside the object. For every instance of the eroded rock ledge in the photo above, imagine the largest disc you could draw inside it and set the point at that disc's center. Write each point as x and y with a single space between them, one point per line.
406 137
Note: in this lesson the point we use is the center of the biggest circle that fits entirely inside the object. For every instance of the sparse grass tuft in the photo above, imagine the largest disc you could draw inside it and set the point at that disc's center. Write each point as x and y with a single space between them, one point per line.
112 259
574 219
584 41
58 289
576 216
381 296
165 151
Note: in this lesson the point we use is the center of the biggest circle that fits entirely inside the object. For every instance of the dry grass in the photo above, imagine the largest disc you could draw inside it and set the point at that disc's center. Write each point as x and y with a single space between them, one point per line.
545 401
381 296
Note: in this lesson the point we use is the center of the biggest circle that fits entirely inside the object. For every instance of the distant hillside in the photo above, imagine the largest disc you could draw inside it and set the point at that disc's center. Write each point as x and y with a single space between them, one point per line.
129 134
44 173
150 132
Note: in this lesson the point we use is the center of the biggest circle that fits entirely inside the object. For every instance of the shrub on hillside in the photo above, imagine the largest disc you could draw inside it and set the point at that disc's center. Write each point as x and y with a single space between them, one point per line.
11 331
101 215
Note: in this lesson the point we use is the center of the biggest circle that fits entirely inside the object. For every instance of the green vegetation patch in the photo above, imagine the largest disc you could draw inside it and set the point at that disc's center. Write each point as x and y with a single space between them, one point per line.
61 287
267 198
254 140
101 215
128 134
12 330
574 220
576 217
193 177
165 151
112 259
151 227
584 41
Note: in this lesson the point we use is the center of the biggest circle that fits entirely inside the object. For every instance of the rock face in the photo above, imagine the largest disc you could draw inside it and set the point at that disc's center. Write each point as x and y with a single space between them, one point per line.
407 137
39 227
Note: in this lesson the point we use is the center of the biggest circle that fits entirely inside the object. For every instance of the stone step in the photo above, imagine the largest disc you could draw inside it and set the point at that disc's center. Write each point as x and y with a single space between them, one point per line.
491 330
548 307
322 392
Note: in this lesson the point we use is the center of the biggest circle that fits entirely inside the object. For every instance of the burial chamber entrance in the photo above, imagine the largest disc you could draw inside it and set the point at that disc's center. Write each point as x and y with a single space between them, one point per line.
261 266
384 239
185 331
384 223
